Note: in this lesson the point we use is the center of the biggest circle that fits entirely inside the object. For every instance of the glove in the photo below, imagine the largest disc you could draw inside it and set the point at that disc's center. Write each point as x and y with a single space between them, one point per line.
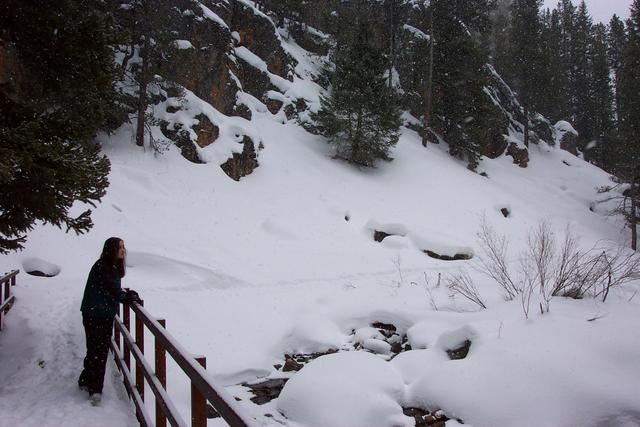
131 296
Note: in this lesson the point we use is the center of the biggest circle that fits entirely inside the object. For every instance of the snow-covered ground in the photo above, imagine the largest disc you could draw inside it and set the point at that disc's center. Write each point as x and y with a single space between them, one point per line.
284 261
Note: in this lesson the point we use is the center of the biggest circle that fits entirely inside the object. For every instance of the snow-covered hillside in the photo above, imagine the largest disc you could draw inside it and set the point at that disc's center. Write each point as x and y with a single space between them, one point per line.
284 262
308 256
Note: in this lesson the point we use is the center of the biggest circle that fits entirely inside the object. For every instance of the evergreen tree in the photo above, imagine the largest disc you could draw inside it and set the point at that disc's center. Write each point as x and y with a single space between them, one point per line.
500 50
460 106
630 118
567 14
289 13
601 89
601 93
553 81
582 107
59 95
527 56
360 115
395 11
616 41
145 25
415 64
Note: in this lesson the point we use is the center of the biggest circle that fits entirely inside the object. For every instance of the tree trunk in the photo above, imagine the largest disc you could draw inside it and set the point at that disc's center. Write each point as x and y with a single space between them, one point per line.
633 217
392 41
132 45
526 125
142 99
616 96
355 144
429 94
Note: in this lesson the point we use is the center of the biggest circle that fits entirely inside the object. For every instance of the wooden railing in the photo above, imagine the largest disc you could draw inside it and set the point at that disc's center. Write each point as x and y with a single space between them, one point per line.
203 388
7 300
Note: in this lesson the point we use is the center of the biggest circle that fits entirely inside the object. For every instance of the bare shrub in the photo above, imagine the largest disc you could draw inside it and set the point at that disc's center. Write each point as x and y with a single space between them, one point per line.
555 270
493 260
526 284
567 264
601 272
432 300
540 255
460 283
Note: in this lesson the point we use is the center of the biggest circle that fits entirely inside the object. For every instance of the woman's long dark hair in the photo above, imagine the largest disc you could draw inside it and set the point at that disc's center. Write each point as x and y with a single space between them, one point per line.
110 254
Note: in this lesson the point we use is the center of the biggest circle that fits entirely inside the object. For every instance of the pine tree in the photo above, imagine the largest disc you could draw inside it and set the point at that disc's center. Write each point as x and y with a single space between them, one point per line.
415 63
395 11
582 108
601 153
460 105
552 102
289 13
525 43
500 50
360 114
60 94
601 88
630 118
145 25
567 15
616 41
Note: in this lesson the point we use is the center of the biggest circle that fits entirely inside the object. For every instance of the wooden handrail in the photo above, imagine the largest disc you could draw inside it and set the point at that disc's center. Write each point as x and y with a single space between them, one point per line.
203 388
143 416
162 397
6 302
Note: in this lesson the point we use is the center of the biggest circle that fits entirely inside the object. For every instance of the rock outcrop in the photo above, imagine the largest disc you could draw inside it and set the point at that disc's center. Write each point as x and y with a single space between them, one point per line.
567 137
235 59
520 155
242 164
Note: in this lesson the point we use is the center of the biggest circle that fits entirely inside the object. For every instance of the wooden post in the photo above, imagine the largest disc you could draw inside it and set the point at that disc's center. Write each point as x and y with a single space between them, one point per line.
140 344
116 331
7 290
161 374
198 401
126 319
2 299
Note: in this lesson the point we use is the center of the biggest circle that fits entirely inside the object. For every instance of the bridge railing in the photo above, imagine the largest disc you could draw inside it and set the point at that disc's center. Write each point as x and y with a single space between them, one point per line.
203 388
7 281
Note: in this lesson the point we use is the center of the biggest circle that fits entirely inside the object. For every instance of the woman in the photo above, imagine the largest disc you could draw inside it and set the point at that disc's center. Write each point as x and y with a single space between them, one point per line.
102 294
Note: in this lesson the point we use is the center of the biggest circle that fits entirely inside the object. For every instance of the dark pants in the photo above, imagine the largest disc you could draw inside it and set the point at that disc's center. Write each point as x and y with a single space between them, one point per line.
98 333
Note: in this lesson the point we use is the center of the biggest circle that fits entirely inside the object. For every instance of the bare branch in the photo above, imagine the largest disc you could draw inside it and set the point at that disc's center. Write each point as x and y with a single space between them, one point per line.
461 283
493 259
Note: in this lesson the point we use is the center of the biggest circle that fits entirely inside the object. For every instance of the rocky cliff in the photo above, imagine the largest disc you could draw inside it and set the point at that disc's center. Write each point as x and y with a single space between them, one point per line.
233 61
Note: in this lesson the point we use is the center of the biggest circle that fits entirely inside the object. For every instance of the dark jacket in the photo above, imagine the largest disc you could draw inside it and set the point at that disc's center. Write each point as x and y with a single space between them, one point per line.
103 291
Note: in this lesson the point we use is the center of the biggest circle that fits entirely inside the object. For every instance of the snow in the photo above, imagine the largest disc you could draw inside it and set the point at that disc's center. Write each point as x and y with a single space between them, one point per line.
312 334
557 367
209 14
183 44
249 271
246 272
416 32
298 88
232 129
37 264
41 348
564 127
361 390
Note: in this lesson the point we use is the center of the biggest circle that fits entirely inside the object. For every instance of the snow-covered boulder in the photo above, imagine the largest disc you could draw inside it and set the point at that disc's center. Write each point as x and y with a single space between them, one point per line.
566 137
361 390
